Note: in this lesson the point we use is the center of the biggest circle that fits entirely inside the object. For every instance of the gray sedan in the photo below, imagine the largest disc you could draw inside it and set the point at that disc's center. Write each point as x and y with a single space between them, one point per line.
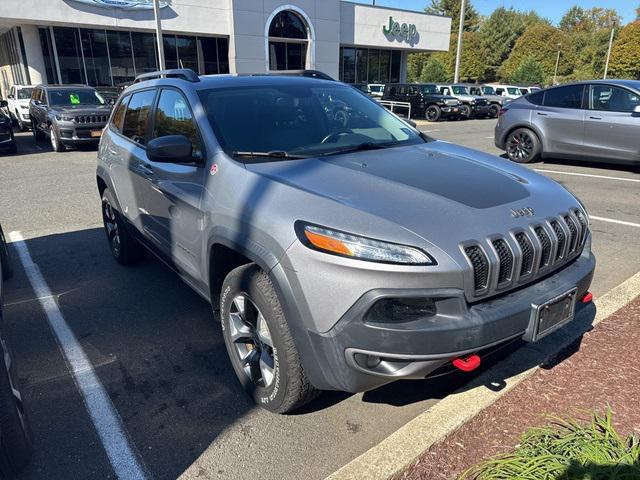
597 120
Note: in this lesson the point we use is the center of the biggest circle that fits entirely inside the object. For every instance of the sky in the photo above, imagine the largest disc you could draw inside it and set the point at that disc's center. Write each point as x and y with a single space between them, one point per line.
551 9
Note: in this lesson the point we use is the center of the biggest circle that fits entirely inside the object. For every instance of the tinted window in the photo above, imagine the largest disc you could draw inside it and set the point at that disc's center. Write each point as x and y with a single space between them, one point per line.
513 91
536 98
136 118
429 89
118 114
173 117
489 91
24 93
70 97
412 90
613 99
564 97
460 90
499 91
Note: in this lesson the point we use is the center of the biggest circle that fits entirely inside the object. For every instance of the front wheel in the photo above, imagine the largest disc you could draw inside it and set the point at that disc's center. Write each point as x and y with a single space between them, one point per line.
494 110
259 342
523 146
37 134
56 144
124 247
432 113
465 111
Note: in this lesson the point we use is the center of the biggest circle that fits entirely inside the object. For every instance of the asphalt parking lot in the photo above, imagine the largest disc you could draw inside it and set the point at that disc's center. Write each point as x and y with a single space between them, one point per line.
160 356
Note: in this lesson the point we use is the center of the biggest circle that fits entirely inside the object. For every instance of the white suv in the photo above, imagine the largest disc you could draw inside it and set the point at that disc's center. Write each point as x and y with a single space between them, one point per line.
509 91
18 100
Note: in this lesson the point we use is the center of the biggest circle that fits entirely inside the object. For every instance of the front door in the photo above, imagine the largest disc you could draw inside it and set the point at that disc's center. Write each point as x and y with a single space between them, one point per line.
611 126
561 119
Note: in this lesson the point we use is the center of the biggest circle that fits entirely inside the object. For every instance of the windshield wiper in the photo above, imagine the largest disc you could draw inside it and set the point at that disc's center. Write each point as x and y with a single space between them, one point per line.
361 147
271 154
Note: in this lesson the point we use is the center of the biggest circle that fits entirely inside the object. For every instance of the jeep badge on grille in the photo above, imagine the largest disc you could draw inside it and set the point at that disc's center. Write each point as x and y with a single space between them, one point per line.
522 212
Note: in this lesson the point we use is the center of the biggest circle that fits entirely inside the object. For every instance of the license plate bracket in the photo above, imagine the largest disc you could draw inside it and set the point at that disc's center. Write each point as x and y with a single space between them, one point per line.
549 316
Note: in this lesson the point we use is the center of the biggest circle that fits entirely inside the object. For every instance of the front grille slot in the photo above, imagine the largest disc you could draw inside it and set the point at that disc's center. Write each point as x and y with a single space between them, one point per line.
526 247
583 223
506 260
91 119
480 266
562 239
545 241
573 237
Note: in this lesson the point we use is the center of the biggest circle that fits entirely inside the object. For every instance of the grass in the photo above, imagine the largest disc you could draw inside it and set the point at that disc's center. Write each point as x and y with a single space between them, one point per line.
567 450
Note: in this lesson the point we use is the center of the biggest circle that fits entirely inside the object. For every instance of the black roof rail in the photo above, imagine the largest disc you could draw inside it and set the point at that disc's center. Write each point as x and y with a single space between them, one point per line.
297 73
182 73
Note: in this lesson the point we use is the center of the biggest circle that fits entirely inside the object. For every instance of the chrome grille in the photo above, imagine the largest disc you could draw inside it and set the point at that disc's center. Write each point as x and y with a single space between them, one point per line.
91 119
505 261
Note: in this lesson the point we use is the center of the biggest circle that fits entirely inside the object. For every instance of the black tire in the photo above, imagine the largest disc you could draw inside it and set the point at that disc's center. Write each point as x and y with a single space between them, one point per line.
288 388
37 134
523 146
21 125
494 110
7 271
432 113
465 111
123 245
54 138
16 441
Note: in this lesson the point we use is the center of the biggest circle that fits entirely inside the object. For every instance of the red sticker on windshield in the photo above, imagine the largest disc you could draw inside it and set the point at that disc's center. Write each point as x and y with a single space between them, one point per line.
214 169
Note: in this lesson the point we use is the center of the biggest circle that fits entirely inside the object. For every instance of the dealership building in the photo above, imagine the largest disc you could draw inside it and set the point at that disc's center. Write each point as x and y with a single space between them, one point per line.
108 42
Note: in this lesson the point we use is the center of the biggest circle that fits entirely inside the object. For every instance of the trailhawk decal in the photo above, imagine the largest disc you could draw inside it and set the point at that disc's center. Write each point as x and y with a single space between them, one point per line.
125 4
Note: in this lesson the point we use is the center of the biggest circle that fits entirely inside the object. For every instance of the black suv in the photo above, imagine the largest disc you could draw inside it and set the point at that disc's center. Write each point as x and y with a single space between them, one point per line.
425 99
7 141
69 115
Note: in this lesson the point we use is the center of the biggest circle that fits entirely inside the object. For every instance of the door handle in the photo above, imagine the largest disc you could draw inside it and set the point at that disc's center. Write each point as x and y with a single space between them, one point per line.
595 118
542 114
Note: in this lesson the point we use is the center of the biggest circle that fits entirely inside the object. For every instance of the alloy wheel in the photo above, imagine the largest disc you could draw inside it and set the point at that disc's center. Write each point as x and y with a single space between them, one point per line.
111 226
520 146
54 140
251 341
431 114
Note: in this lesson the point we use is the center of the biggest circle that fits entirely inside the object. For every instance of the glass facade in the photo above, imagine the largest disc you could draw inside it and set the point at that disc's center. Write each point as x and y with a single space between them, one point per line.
109 57
369 65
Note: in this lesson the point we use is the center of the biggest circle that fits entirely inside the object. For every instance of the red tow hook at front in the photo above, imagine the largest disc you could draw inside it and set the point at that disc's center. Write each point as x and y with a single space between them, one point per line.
588 298
468 364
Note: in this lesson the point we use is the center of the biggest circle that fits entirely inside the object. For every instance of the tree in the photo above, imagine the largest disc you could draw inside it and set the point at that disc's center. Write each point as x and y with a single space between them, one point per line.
451 8
540 42
433 71
473 60
415 65
589 20
501 30
625 54
529 72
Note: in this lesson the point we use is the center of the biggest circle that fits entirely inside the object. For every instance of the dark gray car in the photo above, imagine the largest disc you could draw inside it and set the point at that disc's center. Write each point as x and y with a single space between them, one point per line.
339 253
598 120
70 115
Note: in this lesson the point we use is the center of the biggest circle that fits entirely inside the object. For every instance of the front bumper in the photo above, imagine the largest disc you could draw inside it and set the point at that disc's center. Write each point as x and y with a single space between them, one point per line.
71 134
357 356
480 110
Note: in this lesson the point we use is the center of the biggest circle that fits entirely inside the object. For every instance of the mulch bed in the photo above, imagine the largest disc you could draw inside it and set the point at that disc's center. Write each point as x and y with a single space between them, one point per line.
604 372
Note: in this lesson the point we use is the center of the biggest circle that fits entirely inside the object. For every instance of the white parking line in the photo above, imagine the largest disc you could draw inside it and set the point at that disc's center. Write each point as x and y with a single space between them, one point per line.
619 222
106 420
588 175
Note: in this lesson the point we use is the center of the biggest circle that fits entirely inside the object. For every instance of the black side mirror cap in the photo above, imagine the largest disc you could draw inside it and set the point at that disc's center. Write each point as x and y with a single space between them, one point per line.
170 149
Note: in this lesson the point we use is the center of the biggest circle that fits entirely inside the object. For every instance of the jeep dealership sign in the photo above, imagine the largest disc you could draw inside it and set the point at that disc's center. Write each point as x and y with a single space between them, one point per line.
404 31
124 4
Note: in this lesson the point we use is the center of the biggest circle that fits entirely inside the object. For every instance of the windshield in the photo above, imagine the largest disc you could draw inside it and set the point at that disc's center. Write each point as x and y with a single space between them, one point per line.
524 91
488 90
70 97
24 93
304 120
460 90
513 91
430 89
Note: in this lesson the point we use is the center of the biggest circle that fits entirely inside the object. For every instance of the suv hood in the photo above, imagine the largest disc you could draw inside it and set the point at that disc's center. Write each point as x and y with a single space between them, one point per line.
442 192
82 109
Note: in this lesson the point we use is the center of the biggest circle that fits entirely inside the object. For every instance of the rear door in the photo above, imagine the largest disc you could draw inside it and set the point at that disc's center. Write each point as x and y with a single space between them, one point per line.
174 192
611 126
560 119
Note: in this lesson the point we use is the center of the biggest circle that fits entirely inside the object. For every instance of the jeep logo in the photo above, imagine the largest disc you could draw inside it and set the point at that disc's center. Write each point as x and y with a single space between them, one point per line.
404 31
522 212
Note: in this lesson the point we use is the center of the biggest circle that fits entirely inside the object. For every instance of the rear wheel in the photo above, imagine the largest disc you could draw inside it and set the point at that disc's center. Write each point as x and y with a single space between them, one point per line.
15 434
523 146
259 342
465 111
432 113
124 247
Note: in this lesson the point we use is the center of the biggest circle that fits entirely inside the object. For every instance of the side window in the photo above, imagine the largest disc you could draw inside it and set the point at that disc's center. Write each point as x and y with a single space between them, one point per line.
118 114
445 91
500 91
43 97
613 99
412 90
564 97
173 117
475 91
137 117
536 98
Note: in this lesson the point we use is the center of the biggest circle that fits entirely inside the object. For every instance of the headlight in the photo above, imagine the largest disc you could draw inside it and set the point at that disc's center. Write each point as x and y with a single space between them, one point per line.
64 118
361 248
24 107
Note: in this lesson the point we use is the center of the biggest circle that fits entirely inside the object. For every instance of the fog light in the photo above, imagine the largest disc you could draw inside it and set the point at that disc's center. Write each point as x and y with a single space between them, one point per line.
395 310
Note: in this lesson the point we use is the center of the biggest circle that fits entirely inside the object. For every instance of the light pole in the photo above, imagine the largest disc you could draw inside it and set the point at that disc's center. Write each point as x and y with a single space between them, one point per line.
456 76
156 12
606 65
555 74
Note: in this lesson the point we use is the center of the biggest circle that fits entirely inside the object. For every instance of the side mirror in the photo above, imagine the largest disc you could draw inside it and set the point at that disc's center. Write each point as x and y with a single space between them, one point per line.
3 104
170 149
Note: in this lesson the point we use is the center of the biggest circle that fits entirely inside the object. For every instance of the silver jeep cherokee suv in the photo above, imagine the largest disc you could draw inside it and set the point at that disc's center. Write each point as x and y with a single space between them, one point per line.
343 251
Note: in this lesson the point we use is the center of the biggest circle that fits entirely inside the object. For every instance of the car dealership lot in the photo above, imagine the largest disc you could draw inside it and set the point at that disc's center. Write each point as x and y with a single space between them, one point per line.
158 353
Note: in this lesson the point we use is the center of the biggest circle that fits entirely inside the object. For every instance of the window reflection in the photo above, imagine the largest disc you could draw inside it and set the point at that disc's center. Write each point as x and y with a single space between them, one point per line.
173 117
144 52
370 65
69 56
136 118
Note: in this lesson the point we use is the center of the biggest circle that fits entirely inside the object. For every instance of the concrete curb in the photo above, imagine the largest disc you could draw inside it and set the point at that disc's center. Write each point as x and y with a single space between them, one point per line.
400 449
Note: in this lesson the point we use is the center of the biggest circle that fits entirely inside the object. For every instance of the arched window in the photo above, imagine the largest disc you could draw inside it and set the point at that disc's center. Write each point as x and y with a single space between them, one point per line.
288 42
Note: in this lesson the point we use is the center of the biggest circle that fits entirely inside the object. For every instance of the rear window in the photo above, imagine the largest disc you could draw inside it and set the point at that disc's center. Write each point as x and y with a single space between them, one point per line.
137 117
564 97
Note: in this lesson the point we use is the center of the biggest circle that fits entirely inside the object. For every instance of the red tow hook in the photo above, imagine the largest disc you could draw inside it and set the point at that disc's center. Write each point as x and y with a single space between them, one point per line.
587 298
468 364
